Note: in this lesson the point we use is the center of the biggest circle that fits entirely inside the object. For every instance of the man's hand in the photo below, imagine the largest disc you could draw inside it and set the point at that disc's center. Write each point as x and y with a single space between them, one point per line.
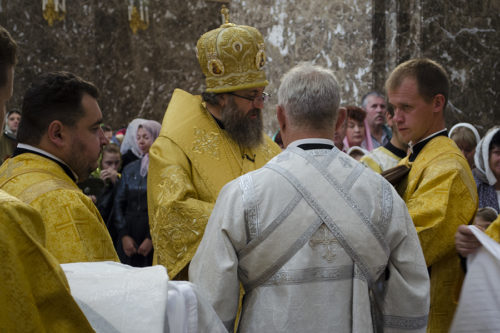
110 175
146 247
465 241
129 246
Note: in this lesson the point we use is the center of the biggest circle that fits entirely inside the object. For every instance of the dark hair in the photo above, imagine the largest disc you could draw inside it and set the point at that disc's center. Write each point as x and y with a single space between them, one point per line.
210 98
430 76
356 113
495 141
8 54
13 111
52 96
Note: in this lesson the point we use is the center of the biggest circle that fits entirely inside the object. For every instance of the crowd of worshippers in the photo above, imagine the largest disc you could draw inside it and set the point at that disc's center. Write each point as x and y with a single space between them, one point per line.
352 218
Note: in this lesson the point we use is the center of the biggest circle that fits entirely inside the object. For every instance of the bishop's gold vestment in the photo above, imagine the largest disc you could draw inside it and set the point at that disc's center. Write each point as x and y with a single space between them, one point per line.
74 228
190 162
34 292
440 193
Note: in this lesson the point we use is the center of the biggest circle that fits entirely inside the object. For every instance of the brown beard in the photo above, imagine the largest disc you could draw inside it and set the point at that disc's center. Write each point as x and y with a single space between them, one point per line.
241 128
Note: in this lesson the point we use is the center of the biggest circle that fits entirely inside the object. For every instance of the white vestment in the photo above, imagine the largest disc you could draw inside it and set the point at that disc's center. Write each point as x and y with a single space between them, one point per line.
479 303
320 244
118 298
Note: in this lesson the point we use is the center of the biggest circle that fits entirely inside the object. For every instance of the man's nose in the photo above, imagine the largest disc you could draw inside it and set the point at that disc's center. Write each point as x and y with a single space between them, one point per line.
397 115
258 102
102 137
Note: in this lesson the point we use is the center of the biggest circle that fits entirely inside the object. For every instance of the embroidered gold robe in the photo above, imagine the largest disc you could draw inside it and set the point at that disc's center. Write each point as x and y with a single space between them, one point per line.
440 193
34 292
74 228
190 162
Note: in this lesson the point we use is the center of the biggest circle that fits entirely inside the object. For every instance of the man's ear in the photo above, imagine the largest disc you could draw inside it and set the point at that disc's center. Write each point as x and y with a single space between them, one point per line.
280 114
438 103
341 117
222 100
57 133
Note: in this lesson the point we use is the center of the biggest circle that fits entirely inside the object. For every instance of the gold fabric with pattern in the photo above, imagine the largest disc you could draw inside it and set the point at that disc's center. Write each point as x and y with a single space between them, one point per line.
74 227
190 162
441 194
34 293
232 57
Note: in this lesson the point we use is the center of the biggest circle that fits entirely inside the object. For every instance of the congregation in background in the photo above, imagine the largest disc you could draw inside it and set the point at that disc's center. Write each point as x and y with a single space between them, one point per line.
352 218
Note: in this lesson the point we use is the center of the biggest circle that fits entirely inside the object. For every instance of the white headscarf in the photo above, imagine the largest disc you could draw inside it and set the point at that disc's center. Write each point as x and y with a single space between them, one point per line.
130 138
482 156
469 126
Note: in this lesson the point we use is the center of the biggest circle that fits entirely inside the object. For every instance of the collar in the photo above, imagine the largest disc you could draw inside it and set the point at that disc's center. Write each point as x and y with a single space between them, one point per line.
24 148
417 148
395 150
312 143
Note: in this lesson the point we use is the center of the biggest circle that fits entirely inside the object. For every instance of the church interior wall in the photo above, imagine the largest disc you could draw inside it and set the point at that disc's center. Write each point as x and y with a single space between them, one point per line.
360 40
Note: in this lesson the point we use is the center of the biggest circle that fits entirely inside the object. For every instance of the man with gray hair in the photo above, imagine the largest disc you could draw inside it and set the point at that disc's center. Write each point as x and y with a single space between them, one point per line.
375 106
319 242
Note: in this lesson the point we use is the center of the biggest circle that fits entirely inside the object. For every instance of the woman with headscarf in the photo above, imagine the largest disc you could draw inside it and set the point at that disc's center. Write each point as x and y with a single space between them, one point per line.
8 136
135 247
466 137
129 148
487 172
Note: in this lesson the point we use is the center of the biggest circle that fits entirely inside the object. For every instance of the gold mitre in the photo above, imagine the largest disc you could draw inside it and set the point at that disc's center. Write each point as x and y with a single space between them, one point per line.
232 57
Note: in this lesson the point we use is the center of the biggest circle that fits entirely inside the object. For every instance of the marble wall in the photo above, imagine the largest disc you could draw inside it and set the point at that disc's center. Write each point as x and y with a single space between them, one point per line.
136 74
361 40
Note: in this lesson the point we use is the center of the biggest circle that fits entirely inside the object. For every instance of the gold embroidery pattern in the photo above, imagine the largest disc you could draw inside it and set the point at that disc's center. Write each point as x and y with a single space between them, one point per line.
178 236
325 239
234 81
207 143
176 227
173 181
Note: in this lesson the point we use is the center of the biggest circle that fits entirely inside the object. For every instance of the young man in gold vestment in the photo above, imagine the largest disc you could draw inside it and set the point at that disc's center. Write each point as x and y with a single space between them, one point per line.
439 190
34 293
207 141
60 139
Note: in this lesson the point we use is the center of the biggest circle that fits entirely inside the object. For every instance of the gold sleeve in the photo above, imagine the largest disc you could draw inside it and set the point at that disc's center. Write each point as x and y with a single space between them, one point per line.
441 202
178 213
34 293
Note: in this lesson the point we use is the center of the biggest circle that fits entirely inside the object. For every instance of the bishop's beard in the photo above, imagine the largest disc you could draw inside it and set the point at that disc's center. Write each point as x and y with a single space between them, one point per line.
243 129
